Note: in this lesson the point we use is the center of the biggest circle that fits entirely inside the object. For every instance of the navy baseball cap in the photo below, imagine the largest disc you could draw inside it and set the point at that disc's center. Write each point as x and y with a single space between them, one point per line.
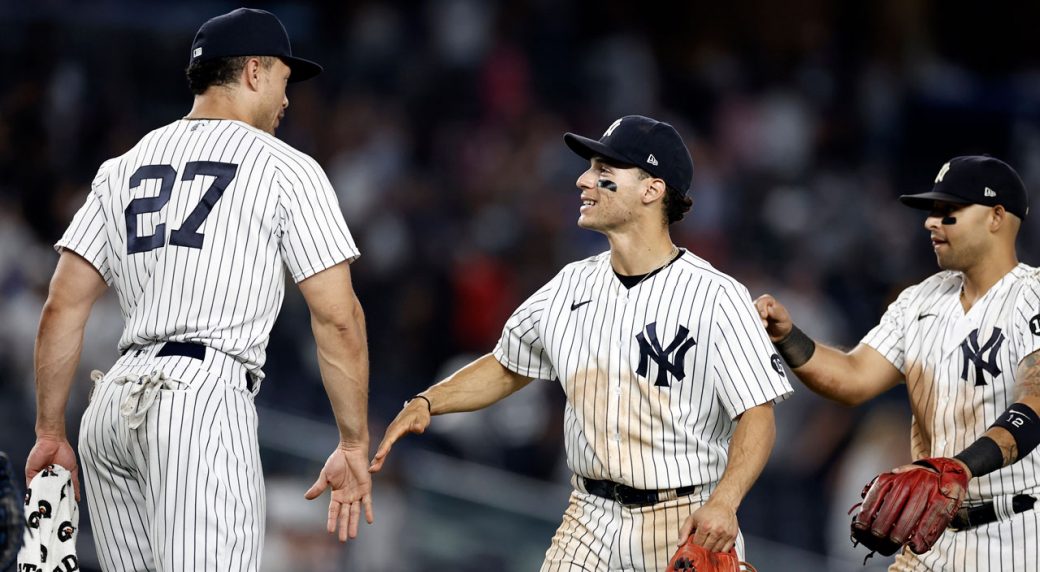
975 180
249 32
654 146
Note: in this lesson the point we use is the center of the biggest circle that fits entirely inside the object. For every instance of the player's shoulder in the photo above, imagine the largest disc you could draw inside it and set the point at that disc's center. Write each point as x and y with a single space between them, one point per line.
597 264
289 159
1026 279
696 268
937 285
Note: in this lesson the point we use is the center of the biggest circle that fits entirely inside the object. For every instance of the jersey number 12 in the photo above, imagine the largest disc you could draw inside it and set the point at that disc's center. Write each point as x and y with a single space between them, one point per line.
188 234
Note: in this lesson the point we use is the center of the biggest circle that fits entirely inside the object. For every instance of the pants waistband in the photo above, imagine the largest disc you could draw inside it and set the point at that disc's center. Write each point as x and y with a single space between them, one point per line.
633 497
1000 508
224 365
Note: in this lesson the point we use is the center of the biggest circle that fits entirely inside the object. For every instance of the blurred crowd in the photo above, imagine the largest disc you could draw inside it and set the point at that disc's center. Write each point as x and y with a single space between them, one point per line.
440 125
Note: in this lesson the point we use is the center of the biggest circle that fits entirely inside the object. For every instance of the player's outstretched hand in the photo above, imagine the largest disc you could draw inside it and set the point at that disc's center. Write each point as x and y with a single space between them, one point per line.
52 450
414 418
346 472
775 318
714 526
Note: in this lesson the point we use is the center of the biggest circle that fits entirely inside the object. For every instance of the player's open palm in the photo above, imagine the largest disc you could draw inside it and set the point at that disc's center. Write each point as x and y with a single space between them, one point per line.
713 526
346 472
414 418
775 318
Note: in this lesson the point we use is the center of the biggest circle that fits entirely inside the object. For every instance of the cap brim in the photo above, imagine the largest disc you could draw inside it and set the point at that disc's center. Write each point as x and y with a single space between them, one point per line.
301 69
588 148
926 201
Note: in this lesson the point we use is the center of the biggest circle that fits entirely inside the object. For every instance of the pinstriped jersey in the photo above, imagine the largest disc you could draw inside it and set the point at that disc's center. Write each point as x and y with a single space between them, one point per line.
654 375
195 226
960 367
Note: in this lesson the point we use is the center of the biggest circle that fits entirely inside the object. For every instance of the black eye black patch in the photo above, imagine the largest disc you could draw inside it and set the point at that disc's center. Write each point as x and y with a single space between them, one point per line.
949 220
608 185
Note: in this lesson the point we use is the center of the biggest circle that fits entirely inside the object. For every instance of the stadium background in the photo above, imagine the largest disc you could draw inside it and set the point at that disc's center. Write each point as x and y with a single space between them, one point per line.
440 124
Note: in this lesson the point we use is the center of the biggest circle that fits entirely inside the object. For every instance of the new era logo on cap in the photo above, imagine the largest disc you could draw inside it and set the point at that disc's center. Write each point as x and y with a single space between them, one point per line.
196 53
651 159
990 192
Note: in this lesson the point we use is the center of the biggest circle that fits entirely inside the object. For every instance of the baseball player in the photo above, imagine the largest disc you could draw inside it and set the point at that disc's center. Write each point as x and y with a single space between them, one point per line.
195 228
670 381
965 342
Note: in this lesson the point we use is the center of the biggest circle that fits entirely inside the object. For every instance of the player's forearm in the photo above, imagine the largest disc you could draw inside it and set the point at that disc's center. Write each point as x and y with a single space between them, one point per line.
835 374
343 361
476 386
59 342
748 452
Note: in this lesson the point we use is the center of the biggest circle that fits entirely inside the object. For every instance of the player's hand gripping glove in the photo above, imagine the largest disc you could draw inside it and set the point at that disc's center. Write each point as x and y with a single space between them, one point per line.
693 558
12 517
912 507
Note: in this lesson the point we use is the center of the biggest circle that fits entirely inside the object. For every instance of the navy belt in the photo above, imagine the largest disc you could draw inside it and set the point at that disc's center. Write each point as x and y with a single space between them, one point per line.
629 496
971 516
194 351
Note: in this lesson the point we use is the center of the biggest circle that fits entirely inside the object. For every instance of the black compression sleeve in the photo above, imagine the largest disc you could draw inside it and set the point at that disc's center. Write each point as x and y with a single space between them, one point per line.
796 348
982 457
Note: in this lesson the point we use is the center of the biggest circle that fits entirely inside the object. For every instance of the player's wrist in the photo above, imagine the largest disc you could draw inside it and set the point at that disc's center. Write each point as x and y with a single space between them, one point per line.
796 347
51 432
420 400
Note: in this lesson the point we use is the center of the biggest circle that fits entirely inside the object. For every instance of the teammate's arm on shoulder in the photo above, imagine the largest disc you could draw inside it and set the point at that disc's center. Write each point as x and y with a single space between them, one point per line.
851 377
848 377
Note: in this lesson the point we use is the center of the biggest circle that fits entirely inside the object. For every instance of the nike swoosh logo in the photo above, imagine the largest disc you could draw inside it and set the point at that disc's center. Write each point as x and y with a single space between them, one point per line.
576 305
923 316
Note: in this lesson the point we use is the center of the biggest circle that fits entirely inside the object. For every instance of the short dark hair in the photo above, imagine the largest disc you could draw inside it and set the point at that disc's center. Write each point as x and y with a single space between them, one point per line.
676 204
219 71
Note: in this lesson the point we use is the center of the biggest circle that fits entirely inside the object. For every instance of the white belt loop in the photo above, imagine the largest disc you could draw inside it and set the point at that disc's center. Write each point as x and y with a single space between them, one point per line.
142 395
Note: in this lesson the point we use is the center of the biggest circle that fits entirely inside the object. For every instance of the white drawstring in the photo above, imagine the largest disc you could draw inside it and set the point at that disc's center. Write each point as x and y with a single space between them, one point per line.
142 395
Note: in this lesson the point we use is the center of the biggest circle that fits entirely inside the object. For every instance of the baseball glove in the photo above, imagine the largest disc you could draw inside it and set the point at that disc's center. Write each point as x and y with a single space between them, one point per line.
913 507
12 517
693 558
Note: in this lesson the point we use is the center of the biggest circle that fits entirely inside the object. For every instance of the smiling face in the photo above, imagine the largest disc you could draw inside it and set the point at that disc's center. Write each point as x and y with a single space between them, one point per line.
612 196
967 241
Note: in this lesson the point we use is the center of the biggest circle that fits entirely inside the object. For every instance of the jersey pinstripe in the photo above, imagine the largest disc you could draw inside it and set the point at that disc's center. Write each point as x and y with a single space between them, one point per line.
960 370
630 418
192 262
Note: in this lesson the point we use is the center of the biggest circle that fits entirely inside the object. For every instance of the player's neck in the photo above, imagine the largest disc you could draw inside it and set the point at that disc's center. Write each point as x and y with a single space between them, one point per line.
980 278
217 106
632 254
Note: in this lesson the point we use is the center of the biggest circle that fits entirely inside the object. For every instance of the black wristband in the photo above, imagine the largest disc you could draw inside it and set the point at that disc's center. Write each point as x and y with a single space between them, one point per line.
429 405
796 348
982 457
1024 425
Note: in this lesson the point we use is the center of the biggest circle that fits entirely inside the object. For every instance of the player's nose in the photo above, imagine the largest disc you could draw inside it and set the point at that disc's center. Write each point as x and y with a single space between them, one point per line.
586 180
285 102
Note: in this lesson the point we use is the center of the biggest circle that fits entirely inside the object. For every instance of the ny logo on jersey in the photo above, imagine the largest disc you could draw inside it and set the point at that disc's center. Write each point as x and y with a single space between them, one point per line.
983 358
650 349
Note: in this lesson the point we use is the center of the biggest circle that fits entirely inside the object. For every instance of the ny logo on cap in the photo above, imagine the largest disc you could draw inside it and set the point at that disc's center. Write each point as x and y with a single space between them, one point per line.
942 172
612 127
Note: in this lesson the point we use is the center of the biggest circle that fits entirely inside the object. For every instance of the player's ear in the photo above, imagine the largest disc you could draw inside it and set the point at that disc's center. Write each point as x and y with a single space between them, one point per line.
654 189
251 73
997 218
